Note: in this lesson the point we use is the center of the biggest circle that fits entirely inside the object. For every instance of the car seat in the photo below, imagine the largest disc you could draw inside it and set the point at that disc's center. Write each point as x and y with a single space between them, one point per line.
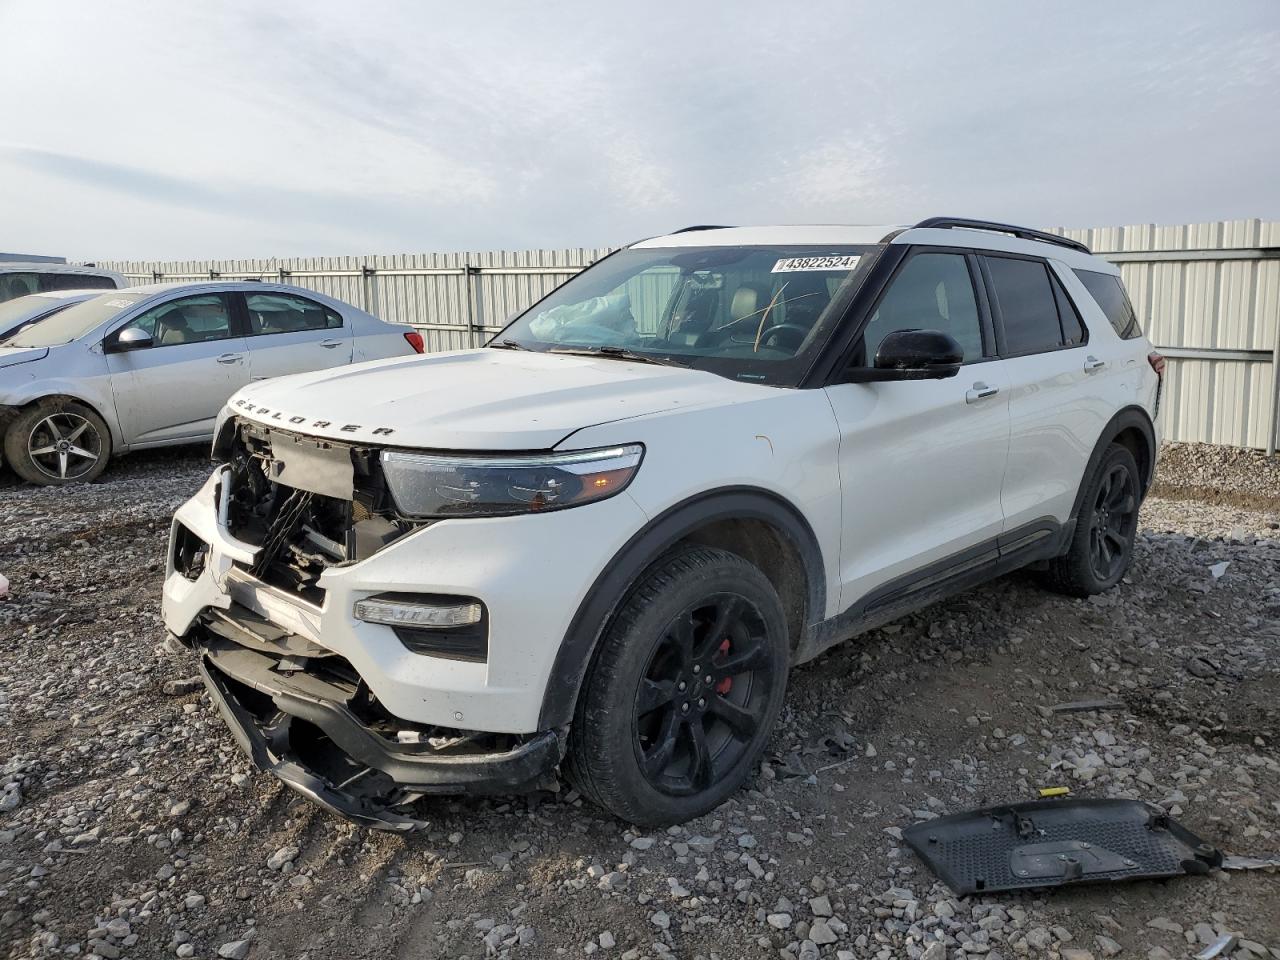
174 328
806 297
695 318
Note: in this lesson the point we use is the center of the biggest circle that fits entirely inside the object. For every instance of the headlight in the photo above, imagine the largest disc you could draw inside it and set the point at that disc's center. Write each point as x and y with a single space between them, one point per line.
426 485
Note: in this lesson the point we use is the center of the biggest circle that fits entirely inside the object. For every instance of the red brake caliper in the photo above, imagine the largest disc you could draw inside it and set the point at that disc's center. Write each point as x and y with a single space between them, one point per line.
725 685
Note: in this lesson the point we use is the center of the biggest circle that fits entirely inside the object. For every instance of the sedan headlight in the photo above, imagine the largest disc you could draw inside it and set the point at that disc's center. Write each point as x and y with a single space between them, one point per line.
494 485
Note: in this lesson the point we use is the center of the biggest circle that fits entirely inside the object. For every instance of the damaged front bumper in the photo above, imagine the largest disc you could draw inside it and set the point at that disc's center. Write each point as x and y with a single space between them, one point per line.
302 729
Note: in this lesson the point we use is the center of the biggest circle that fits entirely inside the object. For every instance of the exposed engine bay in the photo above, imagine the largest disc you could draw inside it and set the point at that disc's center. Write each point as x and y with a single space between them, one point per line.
308 504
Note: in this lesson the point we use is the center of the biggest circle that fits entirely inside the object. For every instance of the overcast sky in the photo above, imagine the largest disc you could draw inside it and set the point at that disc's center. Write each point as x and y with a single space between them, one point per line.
175 130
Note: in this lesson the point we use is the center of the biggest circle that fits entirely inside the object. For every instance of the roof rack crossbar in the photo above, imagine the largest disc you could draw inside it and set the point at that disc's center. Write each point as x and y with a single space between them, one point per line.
699 226
1022 233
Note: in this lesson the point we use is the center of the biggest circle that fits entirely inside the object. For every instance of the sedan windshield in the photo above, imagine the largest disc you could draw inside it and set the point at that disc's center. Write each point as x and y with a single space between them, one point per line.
751 313
21 310
73 322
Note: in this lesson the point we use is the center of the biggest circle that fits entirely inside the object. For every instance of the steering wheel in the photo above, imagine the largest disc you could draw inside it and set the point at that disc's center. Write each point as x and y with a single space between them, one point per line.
792 331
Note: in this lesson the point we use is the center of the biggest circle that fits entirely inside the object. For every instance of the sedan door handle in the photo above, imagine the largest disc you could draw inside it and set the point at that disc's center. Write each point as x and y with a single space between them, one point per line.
330 344
231 358
1092 363
980 391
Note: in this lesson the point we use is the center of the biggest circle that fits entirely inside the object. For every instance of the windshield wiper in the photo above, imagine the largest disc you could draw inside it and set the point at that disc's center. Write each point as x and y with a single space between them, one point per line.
507 344
621 353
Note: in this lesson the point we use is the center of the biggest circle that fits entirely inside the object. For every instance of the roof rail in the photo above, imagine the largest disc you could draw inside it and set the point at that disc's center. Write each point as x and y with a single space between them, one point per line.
699 226
1022 233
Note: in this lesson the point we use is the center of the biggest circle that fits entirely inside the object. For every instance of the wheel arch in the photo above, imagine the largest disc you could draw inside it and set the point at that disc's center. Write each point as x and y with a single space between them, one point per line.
1132 429
761 526
10 412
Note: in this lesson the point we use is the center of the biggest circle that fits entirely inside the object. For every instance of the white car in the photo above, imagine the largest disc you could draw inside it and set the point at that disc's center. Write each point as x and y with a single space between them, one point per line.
151 366
605 539
21 279
36 306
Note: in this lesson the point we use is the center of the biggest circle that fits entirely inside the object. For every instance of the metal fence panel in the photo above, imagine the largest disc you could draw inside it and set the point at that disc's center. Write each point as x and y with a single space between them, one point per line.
1197 288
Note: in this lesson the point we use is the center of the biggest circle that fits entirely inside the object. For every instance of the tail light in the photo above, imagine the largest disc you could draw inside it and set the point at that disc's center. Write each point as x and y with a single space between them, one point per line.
415 341
1158 363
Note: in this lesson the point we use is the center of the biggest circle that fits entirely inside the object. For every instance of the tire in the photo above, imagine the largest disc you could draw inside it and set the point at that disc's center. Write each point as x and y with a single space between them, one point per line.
1101 548
56 442
653 752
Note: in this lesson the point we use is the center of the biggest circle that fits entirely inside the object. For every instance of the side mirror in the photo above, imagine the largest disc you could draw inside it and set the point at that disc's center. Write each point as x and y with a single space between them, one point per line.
131 338
912 355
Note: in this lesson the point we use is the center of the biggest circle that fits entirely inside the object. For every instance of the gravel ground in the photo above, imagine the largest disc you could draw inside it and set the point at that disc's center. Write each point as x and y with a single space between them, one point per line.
130 825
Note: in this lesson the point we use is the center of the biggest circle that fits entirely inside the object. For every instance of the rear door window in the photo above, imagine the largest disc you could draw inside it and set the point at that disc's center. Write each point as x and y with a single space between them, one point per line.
285 313
1110 294
1028 305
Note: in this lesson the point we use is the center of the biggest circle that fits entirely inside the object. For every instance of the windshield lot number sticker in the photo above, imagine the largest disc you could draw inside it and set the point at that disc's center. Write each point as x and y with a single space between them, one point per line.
793 264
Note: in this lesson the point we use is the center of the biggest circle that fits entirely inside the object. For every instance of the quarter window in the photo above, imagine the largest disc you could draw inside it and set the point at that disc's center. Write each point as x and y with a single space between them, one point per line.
285 313
1110 294
1074 331
1028 306
188 320
932 292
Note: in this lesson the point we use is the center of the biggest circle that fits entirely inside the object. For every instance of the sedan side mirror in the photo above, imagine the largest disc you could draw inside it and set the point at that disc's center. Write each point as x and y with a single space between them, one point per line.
911 355
131 338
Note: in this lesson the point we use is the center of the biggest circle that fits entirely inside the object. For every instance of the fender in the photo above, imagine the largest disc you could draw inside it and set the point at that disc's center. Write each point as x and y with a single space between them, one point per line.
612 586
1127 418
69 390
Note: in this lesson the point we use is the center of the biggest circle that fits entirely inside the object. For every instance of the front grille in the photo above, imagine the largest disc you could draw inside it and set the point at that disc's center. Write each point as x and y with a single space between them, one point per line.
300 533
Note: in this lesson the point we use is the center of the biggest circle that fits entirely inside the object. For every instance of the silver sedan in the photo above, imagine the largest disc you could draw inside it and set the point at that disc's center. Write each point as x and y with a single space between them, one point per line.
151 366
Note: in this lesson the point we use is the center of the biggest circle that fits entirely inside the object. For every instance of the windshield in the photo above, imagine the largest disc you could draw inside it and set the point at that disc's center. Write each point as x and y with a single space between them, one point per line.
73 322
24 308
751 313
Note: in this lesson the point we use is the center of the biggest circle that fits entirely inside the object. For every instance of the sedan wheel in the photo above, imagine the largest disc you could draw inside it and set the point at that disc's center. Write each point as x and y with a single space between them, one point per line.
58 442
65 446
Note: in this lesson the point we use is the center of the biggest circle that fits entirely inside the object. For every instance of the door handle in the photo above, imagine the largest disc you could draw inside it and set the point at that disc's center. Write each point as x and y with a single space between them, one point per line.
980 391
330 344
1092 363
231 358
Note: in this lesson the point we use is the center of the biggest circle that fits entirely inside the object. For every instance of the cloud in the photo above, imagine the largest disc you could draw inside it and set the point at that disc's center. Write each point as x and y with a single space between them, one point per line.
848 170
240 129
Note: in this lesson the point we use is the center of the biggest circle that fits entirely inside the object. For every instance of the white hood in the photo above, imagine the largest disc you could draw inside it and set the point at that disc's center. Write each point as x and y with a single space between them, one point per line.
478 399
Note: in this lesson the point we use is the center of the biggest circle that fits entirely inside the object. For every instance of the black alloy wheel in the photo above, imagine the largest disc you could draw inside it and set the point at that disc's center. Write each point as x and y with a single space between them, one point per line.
704 694
1106 528
1111 527
683 690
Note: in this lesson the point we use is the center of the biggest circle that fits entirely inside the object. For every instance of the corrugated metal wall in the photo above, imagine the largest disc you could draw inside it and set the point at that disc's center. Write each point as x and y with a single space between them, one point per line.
1207 294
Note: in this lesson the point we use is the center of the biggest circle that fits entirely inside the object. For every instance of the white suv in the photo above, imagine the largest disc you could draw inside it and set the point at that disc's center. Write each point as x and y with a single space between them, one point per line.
604 539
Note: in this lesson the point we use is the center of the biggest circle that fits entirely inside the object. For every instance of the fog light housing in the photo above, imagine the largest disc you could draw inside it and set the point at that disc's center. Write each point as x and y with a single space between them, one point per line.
455 628
190 553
